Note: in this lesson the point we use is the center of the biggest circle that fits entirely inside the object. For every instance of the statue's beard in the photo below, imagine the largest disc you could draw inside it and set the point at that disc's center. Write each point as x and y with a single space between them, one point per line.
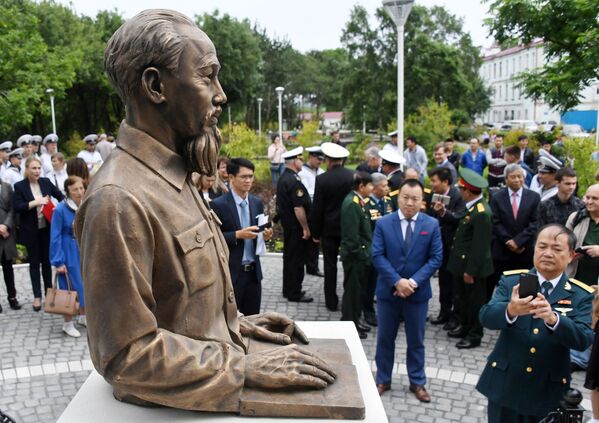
201 152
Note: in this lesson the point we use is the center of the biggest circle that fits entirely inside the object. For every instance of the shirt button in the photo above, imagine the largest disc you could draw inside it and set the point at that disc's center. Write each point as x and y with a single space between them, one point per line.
533 350
463 256
564 381
535 331
231 296
494 364
198 239
529 370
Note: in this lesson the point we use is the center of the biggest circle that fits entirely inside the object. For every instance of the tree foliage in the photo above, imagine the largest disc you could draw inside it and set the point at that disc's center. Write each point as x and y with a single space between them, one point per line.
570 35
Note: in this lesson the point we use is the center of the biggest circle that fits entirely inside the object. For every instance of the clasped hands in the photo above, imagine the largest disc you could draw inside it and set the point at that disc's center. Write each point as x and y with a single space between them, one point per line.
513 247
280 367
404 288
538 307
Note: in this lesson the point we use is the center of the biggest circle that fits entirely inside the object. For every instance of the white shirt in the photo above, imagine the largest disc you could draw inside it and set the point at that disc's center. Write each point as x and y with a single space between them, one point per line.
536 186
308 177
12 176
91 159
58 178
46 164
404 226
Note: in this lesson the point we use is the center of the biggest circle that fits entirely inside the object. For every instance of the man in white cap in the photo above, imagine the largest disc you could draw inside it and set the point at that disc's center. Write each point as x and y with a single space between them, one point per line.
544 182
392 146
5 148
13 174
391 167
330 191
36 140
50 143
293 207
90 155
24 142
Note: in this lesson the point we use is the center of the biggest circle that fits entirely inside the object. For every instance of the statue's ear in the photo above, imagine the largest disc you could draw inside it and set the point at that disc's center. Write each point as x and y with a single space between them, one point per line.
152 86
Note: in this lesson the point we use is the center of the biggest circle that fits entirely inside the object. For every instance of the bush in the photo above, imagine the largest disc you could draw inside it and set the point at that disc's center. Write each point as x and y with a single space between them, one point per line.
464 133
309 135
71 147
356 148
244 142
430 125
579 152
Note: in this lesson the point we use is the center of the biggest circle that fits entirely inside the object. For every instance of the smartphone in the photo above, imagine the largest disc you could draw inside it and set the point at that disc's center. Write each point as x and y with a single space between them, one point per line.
441 198
266 225
529 285
581 250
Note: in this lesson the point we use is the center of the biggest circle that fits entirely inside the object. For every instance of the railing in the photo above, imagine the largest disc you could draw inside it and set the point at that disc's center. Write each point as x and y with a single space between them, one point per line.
5 419
569 410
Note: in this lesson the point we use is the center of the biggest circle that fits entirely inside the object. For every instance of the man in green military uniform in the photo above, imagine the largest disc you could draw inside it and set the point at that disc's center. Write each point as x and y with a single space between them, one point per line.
470 260
356 239
527 373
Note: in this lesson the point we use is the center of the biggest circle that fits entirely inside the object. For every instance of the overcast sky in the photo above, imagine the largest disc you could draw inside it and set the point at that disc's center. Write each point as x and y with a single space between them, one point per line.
308 24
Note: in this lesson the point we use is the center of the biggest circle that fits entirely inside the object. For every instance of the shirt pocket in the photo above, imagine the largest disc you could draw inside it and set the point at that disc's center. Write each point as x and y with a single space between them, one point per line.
199 257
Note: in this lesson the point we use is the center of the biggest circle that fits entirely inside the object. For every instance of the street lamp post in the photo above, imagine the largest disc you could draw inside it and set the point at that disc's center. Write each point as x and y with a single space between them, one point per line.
279 91
50 92
399 10
260 118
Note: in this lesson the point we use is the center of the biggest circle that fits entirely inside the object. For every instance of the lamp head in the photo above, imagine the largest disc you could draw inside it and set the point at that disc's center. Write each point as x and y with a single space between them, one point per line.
398 10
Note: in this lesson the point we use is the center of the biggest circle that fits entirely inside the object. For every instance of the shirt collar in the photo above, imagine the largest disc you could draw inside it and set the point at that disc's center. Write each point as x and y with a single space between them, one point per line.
519 192
554 281
473 202
237 198
402 217
152 153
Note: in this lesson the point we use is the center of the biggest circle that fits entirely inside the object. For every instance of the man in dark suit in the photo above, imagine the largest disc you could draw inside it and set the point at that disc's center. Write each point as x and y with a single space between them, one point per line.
238 211
406 251
331 188
526 154
527 373
449 216
514 224
8 246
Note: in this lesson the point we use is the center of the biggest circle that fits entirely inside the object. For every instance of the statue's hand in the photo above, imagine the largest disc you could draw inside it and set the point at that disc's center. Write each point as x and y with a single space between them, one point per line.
271 327
289 366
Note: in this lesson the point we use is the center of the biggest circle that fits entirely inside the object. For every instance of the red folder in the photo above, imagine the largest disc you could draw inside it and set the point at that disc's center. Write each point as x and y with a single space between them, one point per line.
47 211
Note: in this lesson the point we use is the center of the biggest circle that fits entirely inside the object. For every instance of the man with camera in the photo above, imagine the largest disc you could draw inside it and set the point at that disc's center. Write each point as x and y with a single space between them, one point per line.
541 314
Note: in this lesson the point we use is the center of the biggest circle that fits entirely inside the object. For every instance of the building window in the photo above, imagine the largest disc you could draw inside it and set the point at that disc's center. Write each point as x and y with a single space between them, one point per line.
494 70
526 114
512 115
500 66
518 114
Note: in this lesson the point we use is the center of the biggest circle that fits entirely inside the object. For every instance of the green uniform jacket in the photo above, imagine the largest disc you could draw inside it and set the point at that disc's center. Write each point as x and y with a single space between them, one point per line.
375 212
356 234
528 370
471 251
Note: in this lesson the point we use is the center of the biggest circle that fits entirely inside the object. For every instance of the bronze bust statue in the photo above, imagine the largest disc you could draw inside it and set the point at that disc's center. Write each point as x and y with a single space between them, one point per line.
163 327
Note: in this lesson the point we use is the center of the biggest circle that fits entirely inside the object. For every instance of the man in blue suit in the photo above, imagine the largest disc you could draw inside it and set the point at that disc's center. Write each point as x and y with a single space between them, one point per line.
237 210
406 252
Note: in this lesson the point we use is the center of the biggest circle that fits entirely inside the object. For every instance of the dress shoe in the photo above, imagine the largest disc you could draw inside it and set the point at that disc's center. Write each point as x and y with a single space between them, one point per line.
332 308
361 327
370 320
440 319
451 325
458 332
382 388
362 334
467 343
303 299
14 304
420 393
37 304
317 273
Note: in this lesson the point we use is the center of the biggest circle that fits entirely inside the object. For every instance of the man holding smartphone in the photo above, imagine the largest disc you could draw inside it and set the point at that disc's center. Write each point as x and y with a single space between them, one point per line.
528 371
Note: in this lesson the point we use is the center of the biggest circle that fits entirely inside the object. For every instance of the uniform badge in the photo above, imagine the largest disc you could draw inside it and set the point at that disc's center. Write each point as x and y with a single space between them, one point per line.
480 208
299 192
563 310
567 286
565 302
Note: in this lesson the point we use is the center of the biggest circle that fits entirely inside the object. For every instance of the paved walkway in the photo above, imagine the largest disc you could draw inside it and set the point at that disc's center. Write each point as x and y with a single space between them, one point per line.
41 369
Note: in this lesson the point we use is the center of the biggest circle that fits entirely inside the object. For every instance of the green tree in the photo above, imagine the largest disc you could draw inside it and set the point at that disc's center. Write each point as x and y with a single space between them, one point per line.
570 37
430 124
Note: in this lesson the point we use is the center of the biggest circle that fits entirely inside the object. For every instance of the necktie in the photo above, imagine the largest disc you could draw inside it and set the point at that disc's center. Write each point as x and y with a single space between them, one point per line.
545 288
248 257
409 235
515 205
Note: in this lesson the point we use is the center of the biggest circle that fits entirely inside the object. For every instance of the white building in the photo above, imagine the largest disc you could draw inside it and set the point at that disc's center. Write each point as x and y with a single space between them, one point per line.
499 71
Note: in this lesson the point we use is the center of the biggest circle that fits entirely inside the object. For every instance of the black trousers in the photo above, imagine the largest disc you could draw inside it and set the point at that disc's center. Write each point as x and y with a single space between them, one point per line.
9 276
330 251
312 257
369 290
294 260
248 292
354 277
472 297
446 290
38 253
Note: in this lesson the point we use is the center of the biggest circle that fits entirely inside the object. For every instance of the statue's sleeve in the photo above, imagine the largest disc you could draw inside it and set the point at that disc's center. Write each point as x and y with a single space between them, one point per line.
143 363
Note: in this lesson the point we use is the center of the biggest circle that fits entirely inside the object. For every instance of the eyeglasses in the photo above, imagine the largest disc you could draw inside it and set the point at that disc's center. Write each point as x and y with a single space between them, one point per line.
246 177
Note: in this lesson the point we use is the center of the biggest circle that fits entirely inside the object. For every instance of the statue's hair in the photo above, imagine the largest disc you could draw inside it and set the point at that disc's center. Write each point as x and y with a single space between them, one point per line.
148 39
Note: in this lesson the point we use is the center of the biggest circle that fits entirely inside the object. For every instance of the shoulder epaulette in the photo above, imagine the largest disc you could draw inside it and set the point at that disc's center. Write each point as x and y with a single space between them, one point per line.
394 193
367 200
387 197
480 208
582 285
427 190
515 272
356 199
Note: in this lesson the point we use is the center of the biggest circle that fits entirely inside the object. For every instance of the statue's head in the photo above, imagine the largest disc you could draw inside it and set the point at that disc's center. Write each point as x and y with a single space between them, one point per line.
161 63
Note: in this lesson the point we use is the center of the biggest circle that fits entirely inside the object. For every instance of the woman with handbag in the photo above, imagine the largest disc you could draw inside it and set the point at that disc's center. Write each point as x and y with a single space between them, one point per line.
32 204
64 251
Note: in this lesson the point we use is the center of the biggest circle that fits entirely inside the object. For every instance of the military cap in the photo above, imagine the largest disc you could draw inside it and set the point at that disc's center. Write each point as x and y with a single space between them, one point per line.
391 157
50 138
393 133
36 139
16 152
471 180
315 151
23 139
292 154
334 151
6 146
90 139
549 163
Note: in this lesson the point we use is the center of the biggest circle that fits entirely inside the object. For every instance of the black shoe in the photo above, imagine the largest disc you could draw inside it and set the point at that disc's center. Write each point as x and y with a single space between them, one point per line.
467 343
371 320
362 335
440 319
362 327
303 299
0 309
332 308
458 332
451 325
14 304
316 273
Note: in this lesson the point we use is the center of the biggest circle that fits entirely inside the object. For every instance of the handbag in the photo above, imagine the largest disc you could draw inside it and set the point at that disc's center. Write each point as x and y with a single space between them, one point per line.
60 301
48 210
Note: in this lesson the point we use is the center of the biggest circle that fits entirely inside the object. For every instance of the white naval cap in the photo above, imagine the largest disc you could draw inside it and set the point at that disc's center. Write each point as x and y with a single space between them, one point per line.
23 139
90 139
6 146
391 157
50 138
316 150
36 138
393 133
297 151
16 152
334 151
550 163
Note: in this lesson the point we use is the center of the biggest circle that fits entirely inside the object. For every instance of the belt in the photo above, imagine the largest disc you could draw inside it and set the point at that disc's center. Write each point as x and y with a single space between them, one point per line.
249 267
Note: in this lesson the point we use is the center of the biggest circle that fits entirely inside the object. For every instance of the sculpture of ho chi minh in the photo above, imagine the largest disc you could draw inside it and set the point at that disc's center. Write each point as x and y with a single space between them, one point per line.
163 326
